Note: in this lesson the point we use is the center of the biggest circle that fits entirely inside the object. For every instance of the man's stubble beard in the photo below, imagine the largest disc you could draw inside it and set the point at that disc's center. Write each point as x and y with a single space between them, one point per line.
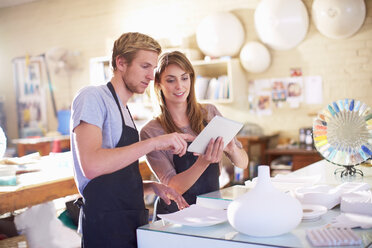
129 87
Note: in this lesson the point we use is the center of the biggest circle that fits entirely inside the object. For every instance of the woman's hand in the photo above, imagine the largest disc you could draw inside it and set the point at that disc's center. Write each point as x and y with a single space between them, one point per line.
214 151
167 194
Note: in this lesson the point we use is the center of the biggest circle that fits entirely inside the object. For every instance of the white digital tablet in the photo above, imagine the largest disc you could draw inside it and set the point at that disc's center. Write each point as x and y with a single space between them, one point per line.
218 126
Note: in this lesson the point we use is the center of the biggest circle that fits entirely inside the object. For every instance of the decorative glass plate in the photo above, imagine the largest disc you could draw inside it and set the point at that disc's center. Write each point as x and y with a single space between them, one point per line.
196 215
342 132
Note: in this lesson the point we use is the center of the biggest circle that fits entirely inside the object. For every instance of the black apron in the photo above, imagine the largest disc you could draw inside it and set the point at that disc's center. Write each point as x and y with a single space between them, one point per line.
113 204
207 182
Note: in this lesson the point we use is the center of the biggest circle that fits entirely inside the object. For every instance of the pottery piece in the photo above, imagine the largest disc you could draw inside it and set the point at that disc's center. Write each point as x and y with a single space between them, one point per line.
264 211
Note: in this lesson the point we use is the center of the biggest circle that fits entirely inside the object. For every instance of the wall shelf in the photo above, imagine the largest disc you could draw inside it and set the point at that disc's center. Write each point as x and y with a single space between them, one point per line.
100 71
224 72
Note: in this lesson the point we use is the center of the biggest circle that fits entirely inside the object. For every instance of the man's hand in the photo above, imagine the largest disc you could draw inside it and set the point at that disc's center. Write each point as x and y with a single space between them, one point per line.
175 142
167 194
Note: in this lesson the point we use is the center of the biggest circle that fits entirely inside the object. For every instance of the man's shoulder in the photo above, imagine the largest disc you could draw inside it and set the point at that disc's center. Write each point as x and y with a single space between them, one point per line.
91 90
91 93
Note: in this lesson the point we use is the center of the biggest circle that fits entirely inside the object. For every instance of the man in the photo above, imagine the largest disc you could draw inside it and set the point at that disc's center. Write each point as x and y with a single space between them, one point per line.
106 148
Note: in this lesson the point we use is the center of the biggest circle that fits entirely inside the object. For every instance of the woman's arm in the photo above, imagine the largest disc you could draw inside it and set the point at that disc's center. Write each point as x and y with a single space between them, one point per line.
237 155
164 192
233 150
183 181
162 165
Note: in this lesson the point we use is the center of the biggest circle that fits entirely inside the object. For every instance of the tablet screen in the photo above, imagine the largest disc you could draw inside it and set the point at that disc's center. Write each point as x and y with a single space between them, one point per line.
218 126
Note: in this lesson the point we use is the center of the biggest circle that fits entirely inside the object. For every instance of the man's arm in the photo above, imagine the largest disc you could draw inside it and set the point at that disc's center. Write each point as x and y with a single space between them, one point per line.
96 161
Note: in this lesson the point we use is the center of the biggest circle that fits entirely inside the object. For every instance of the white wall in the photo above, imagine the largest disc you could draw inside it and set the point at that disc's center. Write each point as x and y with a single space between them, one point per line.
89 27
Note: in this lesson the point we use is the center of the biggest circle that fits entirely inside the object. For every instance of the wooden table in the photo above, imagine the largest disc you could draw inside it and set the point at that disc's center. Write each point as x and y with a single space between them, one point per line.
45 191
261 140
43 145
300 157
36 194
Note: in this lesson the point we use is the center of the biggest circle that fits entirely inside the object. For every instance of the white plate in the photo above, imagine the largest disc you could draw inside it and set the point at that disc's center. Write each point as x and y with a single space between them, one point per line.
196 215
311 212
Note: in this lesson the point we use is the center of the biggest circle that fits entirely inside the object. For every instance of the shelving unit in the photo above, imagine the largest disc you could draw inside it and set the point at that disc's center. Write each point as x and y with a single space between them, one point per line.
230 68
300 157
99 70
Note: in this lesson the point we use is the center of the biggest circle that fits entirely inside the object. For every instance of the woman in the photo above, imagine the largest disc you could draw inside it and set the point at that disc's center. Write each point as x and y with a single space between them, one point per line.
189 175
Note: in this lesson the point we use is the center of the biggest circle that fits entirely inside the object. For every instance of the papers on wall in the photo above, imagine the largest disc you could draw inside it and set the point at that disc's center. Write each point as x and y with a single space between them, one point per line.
262 90
264 94
279 92
264 103
313 90
294 91
30 78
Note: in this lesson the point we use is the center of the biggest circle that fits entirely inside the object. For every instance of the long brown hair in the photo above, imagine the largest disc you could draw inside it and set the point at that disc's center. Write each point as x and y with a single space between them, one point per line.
195 112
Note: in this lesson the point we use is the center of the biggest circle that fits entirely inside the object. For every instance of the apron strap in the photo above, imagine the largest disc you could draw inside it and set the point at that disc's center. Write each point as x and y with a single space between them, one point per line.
112 90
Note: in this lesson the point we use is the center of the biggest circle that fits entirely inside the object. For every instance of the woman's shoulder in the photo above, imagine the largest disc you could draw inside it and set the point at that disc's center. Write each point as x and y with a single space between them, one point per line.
209 107
151 129
153 123
211 110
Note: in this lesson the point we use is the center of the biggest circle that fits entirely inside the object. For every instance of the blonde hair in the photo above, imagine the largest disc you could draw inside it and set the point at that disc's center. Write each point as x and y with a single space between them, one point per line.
129 44
195 112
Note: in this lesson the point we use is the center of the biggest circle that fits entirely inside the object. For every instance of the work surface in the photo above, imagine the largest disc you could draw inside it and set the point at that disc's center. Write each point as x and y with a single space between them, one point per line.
44 145
164 234
52 178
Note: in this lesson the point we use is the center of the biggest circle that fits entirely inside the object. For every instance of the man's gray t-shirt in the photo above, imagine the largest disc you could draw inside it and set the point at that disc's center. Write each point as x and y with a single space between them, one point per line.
95 105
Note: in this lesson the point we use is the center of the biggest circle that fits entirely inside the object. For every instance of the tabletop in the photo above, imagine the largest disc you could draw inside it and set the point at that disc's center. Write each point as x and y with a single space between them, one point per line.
51 178
163 234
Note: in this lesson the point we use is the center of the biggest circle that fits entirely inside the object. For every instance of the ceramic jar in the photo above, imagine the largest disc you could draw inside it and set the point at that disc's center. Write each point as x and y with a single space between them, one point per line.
264 211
